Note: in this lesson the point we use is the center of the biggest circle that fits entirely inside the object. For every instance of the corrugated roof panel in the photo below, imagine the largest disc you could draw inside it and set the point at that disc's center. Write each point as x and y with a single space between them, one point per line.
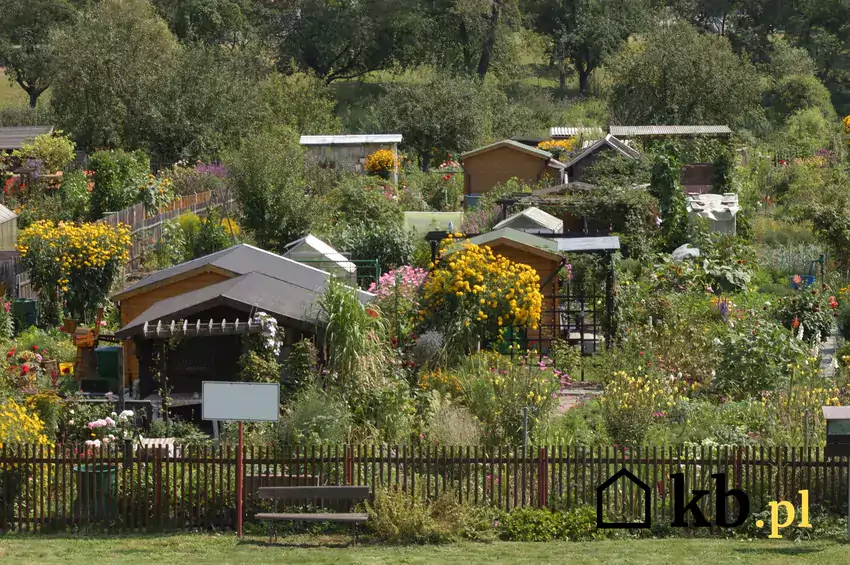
12 138
670 130
536 216
577 244
572 131
6 214
357 139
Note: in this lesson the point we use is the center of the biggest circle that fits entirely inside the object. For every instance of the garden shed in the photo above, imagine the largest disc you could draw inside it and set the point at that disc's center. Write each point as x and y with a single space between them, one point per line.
348 152
532 220
311 250
218 287
578 164
12 138
487 166
8 229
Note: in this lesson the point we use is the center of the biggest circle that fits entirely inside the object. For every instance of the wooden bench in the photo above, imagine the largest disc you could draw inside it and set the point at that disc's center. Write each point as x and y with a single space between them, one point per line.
345 497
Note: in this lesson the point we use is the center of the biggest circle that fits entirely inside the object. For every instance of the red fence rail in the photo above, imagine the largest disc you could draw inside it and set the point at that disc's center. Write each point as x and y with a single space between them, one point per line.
45 489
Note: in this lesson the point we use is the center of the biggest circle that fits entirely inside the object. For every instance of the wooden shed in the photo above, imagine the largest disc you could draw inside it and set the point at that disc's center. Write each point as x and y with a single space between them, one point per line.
14 137
348 152
485 167
218 286
578 164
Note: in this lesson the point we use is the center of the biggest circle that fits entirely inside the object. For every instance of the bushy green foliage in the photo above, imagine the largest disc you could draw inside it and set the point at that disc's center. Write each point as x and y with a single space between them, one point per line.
117 175
808 308
315 416
54 151
301 364
541 524
75 195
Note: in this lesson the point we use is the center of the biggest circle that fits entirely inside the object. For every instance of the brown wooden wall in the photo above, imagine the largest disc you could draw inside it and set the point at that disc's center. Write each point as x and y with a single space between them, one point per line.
135 305
546 269
483 172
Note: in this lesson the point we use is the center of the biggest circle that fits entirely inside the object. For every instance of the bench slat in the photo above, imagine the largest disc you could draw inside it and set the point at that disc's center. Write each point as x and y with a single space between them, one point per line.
343 518
314 493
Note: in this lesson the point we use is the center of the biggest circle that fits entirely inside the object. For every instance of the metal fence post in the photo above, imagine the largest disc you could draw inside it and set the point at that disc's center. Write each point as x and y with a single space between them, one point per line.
542 474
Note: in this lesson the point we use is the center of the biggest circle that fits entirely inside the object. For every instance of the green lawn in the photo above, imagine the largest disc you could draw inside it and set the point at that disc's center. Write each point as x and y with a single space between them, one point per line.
11 94
224 550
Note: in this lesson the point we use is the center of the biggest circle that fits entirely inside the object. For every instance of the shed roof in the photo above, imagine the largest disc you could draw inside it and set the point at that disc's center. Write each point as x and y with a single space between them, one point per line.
357 139
251 293
317 249
12 138
511 144
6 215
544 246
572 131
239 260
537 216
629 131
579 244
607 141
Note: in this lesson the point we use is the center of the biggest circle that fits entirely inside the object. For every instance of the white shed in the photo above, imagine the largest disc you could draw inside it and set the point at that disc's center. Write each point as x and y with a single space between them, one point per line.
314 252
532 220
719 209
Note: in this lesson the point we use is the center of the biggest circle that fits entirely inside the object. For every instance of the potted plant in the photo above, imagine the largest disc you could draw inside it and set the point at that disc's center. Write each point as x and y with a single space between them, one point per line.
96 473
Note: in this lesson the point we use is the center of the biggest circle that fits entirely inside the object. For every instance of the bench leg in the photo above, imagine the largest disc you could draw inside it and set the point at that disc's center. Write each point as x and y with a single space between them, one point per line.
272 533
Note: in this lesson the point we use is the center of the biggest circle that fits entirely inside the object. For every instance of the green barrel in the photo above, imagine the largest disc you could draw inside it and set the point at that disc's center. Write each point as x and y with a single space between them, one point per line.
25 313
109 362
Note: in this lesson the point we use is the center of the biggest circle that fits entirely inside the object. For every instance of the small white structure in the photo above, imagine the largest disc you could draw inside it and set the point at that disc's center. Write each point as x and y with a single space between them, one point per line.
532 220
8 229
314 252
348 151
720 209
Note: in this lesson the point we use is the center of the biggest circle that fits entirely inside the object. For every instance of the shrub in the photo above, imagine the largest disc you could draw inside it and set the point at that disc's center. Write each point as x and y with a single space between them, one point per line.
155 193
474 293
117 175
53 151
559 148
75 192
451 424
396 517
77 262
843 320
541 524
397 297
630 402
301 363
315 416
809 310
754 357
212 235
390 244
18 425
381 163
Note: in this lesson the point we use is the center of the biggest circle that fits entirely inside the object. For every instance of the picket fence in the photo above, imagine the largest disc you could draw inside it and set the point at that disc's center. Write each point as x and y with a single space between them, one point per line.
139 489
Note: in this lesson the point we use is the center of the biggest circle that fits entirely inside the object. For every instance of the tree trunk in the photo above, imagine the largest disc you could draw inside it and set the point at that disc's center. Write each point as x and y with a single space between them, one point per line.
33 95
562 81
490 42
583 76
464 39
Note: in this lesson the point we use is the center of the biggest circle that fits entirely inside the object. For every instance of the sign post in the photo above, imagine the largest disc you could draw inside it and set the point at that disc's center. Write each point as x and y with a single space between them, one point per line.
240 402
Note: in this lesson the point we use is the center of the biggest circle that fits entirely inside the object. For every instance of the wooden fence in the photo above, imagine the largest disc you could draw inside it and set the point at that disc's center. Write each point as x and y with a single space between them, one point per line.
144 229
50 489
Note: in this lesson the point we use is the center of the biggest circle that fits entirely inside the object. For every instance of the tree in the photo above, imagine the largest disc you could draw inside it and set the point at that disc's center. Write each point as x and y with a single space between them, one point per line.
25 27
210 21
443 115
109 67
300 101
267 173
587 32
336 39
665 185
678 76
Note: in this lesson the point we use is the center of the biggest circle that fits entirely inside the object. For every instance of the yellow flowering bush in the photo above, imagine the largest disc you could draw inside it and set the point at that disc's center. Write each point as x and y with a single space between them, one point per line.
630 401
18 425
74 263
381 163
558 147
846 122
497 388
474 292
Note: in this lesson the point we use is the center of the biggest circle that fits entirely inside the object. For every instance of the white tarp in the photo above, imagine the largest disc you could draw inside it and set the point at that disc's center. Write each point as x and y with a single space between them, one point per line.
720 209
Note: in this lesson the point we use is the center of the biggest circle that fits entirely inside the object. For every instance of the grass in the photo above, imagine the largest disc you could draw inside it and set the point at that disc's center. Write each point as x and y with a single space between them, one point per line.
226 550
11 94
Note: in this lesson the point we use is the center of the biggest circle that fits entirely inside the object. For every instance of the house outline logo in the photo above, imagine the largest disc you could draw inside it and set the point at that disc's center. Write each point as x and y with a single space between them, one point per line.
647 502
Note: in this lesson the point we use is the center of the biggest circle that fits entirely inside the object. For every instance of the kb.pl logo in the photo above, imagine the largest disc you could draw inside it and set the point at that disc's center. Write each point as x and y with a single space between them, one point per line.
687 513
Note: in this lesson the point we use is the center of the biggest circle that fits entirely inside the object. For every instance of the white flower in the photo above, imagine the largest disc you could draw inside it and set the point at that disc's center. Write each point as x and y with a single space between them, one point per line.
717 341
71 411
70 422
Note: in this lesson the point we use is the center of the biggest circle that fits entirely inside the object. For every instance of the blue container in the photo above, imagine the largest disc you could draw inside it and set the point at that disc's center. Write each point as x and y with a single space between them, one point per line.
808 280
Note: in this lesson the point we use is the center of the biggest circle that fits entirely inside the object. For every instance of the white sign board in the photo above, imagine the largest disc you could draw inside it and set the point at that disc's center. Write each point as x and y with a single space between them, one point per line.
246 402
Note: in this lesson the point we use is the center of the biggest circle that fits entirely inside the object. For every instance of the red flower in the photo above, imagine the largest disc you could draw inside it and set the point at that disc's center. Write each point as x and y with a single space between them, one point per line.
371 313
795 323
25 369
10 353
35 348
66 371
